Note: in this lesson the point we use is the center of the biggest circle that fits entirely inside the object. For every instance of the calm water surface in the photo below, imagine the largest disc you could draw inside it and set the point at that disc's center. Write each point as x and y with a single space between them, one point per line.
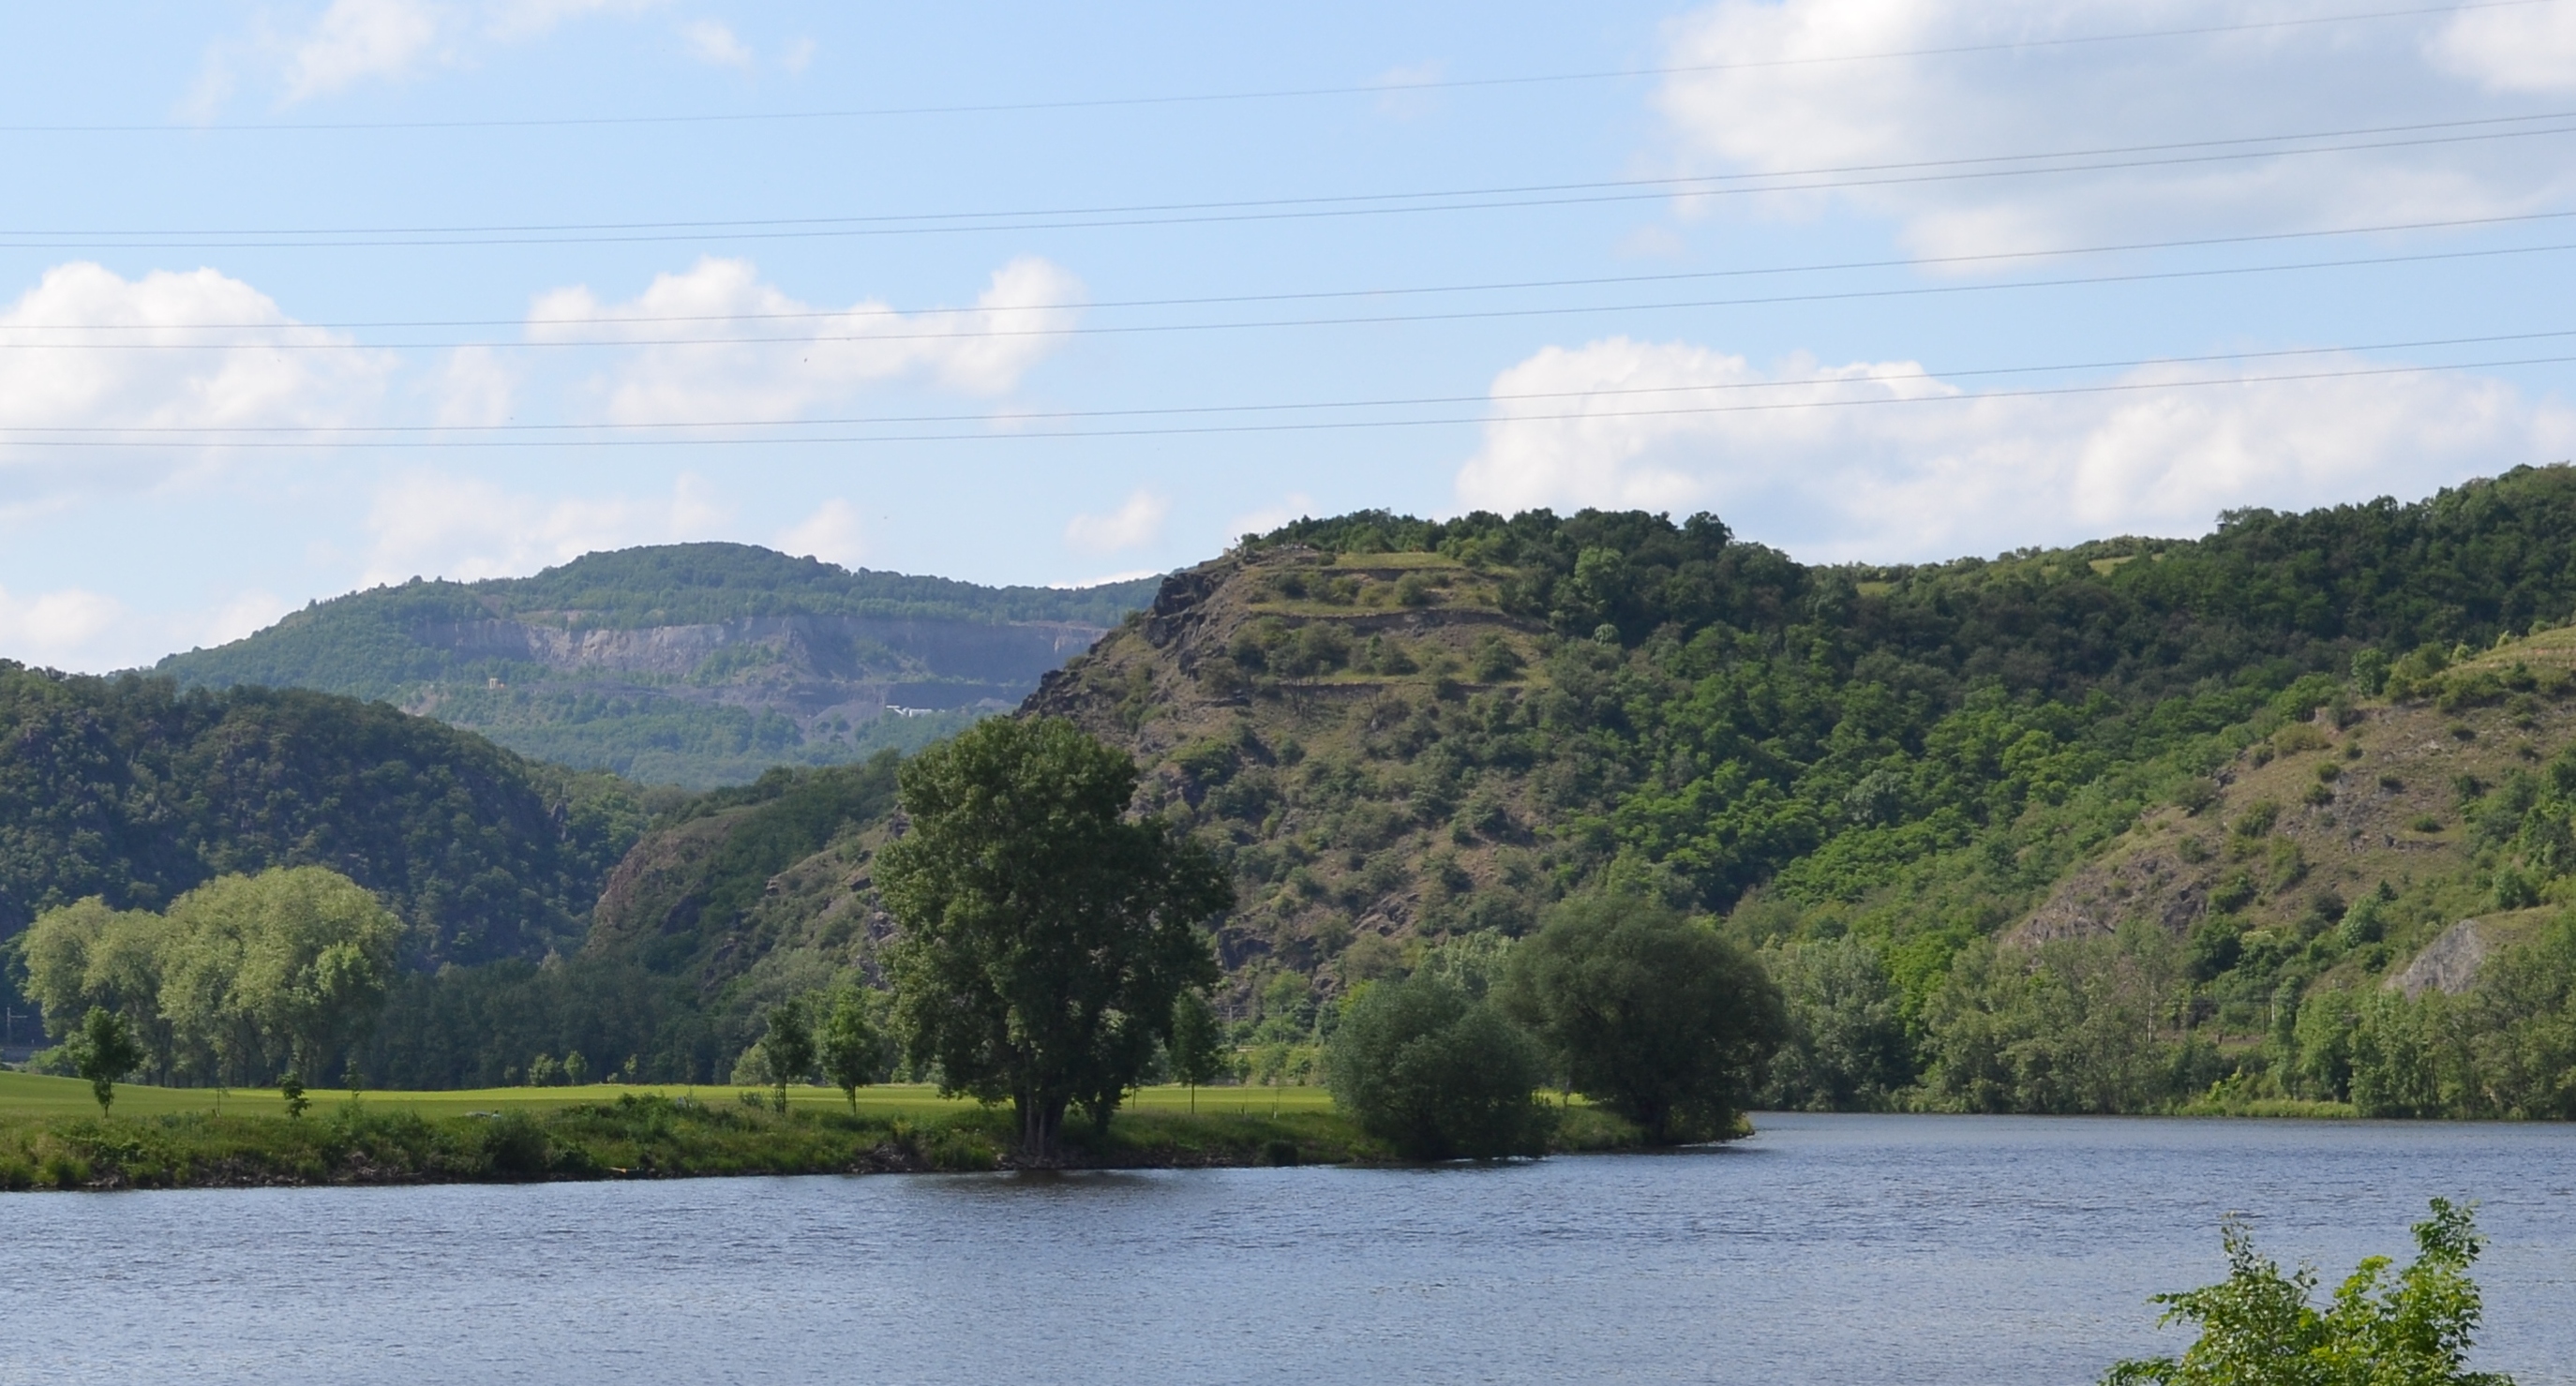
1827 1249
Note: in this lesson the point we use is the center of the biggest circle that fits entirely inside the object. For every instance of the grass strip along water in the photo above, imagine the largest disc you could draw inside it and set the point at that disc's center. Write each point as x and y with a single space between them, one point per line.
52 1137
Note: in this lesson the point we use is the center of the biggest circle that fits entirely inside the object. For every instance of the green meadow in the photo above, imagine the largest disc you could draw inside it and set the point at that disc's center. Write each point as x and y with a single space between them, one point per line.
27 1094
52 1136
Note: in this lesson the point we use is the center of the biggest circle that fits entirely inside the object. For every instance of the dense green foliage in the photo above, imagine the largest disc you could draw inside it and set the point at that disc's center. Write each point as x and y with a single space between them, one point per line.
135 792
243 978
1721 716
1436 1073
1872 771
2505 1048
2260 1327
691 944
1046 936
1648 1013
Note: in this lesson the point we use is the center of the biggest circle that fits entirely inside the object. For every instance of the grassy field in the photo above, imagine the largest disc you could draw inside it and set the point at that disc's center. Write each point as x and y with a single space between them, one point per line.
52 1136
27 1094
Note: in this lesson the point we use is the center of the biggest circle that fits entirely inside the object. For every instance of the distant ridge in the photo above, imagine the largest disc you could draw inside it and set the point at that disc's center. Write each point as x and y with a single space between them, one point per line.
694 664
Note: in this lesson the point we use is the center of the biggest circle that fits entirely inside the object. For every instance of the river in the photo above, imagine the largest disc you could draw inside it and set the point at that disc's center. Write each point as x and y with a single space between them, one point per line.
1966 1250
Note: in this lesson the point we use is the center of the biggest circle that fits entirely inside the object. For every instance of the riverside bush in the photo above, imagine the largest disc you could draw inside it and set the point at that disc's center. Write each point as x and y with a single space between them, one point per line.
1435 1074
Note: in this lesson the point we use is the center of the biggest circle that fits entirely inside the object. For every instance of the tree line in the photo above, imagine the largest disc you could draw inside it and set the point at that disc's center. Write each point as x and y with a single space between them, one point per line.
241 980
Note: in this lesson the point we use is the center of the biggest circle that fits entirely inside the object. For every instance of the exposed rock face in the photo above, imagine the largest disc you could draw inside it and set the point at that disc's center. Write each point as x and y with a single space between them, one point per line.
2313 816
804 665
2449 964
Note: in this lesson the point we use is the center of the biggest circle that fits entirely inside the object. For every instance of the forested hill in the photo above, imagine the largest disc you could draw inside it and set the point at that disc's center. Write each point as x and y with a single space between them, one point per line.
696 664
1410 730
130 789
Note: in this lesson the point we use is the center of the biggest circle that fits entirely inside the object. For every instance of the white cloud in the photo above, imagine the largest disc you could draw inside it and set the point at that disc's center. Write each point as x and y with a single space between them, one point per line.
1774 107
818 354
832 533
243 614
56 629
355 41
1296 505
91 632
797 56
517 21
2524 48
1412 91
1127 575
475 390
431 524
715 44
358 39
1136 523
65 378
1930 470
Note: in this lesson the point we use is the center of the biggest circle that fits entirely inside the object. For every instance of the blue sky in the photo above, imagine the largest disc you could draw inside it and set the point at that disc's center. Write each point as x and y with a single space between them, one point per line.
1016 294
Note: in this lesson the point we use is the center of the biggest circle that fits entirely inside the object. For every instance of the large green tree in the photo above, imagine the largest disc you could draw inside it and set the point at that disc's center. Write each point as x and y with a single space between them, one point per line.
1650 1012
1045 934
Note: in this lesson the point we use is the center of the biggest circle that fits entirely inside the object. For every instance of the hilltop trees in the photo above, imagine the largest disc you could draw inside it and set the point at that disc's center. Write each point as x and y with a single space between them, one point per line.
1045 935
245 975
1650 1013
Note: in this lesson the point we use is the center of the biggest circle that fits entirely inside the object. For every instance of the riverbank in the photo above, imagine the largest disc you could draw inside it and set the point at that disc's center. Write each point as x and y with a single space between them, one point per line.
533 1134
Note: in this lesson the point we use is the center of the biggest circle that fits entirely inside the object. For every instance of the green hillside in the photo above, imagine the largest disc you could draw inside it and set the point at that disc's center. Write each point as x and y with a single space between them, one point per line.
2283 815
695 664
131 789
1409 732
732 902
2079 829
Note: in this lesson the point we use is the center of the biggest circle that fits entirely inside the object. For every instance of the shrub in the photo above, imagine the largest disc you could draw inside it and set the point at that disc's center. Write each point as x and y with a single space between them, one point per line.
2260 1326
1650 1013
1434 1074
516 1147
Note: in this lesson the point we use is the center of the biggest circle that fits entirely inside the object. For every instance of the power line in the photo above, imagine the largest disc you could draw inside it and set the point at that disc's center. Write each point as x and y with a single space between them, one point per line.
1304 426
1379 88
1352 320
1385 402
2221 150
1310 295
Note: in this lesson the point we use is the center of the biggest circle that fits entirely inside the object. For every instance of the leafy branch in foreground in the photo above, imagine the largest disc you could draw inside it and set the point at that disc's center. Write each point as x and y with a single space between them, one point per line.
2259 1327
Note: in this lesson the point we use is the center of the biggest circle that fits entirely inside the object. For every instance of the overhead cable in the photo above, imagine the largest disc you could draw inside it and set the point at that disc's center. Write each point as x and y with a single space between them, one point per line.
1310 295
1349 320
1005 433
1381 87
1825 179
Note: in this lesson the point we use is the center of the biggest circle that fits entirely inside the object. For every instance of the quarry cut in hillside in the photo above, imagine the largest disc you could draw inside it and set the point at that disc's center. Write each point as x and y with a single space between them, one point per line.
824 674
691 664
